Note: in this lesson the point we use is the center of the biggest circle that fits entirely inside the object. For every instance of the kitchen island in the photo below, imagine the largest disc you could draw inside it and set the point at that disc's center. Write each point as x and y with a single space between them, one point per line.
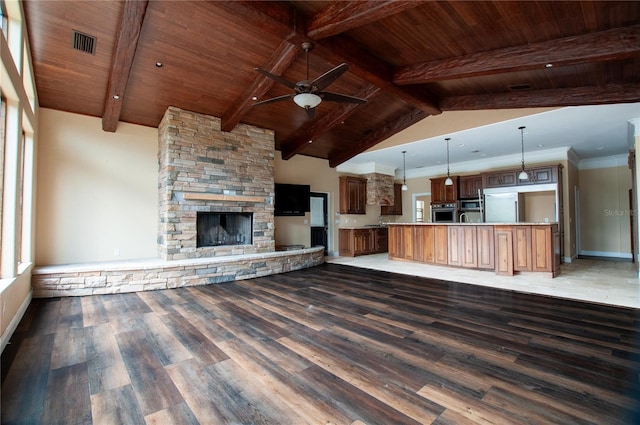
506 248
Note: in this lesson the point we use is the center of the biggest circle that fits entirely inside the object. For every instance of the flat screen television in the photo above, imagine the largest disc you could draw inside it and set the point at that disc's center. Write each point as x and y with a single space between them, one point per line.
292 199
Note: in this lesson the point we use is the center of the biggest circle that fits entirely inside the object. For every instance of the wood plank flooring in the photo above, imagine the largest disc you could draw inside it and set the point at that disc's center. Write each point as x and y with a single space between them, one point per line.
329 345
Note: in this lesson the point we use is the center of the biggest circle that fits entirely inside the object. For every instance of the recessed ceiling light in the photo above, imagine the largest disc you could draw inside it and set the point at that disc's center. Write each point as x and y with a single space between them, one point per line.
483 154
159 65
474 151
116 97
310 141
254 98
549 65
599 148
461 144
540 145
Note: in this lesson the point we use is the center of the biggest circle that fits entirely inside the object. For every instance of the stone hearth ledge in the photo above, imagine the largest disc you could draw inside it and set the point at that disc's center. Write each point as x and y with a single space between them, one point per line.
152 274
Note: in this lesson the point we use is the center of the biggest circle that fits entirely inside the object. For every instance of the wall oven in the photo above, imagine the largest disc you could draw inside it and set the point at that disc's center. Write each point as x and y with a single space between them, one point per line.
444 213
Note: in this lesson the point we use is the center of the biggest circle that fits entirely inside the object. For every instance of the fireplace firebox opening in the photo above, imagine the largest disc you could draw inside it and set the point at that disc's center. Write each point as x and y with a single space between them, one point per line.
224 228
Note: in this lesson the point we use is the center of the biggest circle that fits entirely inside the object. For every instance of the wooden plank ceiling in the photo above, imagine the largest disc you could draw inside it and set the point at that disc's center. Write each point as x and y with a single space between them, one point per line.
408 59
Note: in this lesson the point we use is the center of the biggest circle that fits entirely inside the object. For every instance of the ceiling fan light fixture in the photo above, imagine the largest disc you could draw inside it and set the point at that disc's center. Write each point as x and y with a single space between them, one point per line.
307 100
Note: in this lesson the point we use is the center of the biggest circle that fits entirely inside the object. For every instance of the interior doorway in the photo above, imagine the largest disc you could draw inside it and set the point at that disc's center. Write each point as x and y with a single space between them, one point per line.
319 220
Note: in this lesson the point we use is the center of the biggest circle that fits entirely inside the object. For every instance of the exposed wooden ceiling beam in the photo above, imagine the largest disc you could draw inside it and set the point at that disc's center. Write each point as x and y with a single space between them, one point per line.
374 71
576 96
339 17
314 129
378 135
280 61
126 44
614 44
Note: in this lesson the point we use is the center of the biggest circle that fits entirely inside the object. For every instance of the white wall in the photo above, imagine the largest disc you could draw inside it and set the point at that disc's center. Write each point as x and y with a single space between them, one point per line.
97 191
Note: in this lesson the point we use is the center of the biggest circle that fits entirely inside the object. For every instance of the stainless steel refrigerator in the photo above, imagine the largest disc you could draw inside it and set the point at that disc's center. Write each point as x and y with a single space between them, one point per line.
504 207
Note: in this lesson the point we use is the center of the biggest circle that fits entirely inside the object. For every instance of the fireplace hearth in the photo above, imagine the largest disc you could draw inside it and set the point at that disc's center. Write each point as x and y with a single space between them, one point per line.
224 228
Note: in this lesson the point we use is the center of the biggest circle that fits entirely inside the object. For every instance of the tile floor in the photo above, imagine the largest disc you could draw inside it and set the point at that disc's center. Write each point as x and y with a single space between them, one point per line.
601 281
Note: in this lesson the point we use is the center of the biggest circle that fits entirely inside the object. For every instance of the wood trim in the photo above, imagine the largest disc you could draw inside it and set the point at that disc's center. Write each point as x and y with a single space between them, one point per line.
220 197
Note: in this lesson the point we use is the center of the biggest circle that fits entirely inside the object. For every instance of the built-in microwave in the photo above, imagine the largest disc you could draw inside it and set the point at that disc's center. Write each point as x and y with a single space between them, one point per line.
469 205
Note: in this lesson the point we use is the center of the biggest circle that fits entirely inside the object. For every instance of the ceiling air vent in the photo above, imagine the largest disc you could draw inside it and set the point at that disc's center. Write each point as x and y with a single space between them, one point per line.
84 42
520 87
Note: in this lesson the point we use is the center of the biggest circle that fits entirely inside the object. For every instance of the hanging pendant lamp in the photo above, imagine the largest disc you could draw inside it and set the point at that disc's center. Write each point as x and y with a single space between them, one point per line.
448 181
404 171
523 174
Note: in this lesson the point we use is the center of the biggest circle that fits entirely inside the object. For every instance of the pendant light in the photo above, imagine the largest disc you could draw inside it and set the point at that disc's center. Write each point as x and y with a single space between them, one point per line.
523 174
404 171
448 181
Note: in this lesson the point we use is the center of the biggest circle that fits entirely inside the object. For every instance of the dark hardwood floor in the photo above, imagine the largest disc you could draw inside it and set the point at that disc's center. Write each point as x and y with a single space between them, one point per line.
328 345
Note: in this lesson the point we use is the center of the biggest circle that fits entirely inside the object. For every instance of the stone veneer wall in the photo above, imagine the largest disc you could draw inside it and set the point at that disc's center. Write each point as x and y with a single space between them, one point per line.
112 278
197 158
379 189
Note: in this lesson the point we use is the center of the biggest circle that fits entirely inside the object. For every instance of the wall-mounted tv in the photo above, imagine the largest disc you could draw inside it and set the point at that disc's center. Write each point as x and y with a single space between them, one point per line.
292 199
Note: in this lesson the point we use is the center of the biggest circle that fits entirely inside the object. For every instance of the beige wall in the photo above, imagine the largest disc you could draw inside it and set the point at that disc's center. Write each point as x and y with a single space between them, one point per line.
604 211
96 191
316 173
540 207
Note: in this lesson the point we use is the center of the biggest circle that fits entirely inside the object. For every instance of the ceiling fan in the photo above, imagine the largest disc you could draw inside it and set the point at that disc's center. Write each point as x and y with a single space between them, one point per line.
309 93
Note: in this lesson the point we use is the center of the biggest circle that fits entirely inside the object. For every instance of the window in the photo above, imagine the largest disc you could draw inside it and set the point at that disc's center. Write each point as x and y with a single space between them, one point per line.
4 23
419 211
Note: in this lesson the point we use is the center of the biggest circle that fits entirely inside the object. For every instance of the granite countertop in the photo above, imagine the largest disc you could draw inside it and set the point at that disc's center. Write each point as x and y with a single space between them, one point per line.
369 226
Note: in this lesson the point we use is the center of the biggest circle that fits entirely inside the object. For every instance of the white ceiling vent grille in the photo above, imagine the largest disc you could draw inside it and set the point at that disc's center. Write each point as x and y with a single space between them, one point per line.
83 42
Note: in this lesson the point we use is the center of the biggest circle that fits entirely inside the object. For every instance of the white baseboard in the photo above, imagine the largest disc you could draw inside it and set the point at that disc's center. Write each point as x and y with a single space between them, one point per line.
8 333
626 255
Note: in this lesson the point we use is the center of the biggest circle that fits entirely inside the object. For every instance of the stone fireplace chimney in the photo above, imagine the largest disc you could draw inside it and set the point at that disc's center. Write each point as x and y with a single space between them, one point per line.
204 169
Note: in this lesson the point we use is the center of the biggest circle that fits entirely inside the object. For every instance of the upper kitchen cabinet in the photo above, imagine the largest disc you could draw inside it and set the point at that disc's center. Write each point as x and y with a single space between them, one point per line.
353 195
441 193
541 175
396 208
468 186
500 178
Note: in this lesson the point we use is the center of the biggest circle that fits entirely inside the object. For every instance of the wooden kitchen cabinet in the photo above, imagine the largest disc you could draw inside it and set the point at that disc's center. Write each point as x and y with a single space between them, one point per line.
423 247
542 249
468 186
353 195
522 248
503 244
362 241
441 244
396 242
541 175
463 246
500 179
506 249
396 208
486 247
454 251
441 193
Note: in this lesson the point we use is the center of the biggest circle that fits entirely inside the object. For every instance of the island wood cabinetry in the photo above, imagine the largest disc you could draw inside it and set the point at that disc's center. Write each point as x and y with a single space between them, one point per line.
353 195
363 241
503 248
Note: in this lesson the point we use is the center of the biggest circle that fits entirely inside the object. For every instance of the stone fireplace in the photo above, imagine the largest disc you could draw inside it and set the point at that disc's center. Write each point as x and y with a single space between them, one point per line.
216 229
203 171
215 216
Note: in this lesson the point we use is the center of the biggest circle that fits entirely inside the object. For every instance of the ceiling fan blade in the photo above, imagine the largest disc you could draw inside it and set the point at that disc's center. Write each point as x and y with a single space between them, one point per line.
329 77
276 78
274 99
336 97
